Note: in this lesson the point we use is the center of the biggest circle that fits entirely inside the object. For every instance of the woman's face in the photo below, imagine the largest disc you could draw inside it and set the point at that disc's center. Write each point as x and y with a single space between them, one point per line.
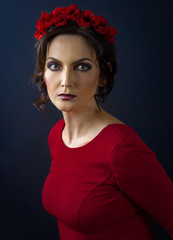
71 73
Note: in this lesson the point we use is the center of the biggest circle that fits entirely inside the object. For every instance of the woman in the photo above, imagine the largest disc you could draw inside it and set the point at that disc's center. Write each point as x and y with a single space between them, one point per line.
104 181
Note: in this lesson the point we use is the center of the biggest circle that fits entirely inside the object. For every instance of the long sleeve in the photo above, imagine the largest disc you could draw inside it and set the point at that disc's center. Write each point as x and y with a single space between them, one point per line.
141 177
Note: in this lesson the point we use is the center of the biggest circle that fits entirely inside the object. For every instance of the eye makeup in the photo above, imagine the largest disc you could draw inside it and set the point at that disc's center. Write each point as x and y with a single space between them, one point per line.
83 67
55 66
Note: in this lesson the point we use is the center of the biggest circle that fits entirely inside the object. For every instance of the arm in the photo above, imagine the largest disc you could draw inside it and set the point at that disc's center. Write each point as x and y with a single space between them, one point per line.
140 176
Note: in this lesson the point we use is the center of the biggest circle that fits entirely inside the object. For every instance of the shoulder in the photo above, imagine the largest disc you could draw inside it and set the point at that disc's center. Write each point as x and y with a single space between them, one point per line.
125 141
125 133
119 135
122 133
130 150
117 130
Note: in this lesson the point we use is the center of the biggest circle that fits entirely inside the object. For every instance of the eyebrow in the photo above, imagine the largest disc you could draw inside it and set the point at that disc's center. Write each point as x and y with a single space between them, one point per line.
79 60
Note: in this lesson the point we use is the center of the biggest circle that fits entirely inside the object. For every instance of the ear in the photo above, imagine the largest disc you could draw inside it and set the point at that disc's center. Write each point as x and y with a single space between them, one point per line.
110 66
102 82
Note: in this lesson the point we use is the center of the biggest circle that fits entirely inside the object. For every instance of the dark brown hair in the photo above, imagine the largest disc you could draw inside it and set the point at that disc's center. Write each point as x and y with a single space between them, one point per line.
105 55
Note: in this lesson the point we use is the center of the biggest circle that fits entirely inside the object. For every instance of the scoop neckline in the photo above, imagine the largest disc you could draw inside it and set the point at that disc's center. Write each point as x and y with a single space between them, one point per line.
91 141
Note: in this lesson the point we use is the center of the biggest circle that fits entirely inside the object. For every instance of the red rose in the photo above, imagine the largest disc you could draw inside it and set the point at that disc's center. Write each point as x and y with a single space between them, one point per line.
71 12
60 21
100 25
56 11
43 22
88 15
110 34
86 19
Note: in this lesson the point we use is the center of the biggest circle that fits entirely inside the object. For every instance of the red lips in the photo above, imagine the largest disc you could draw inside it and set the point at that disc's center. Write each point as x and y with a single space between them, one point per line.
64 96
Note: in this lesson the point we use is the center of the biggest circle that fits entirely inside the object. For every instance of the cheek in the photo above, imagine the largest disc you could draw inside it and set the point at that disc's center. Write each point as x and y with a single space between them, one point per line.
92 80
48 81
45 78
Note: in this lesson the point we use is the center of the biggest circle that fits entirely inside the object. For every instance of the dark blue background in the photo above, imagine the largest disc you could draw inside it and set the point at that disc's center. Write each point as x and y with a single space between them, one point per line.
142 98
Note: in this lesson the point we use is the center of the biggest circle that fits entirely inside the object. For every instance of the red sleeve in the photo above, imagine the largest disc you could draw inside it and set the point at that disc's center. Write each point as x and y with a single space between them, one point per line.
50 143
140 176
52 138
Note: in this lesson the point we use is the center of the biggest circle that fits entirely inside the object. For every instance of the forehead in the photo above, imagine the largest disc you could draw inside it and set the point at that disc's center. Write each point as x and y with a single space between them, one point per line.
68 46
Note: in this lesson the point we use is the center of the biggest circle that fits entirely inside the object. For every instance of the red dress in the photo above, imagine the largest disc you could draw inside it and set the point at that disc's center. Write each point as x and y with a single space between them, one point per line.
108 188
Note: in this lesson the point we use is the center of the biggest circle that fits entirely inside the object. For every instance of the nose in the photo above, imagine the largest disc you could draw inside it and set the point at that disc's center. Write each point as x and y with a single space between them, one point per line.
66 80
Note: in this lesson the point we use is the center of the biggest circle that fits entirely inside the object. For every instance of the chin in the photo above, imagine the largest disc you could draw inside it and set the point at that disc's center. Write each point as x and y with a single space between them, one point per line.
63 107
69 106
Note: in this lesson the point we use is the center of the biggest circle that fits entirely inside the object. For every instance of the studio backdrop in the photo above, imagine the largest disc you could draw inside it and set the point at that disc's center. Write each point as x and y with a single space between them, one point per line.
142 98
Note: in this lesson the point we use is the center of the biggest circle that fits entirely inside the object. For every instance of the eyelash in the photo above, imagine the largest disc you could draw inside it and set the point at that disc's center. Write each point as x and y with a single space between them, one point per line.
86 65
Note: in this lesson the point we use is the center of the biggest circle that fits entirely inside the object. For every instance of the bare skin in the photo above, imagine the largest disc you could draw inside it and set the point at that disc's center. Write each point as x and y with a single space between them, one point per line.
65 72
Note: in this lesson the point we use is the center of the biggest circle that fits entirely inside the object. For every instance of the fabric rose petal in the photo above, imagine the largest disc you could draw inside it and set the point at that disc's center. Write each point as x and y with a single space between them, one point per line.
87 19
56 11
72 13
101 25
110 34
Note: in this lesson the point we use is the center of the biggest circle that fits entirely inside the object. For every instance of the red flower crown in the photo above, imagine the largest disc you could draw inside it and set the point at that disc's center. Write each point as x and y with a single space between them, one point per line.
60 17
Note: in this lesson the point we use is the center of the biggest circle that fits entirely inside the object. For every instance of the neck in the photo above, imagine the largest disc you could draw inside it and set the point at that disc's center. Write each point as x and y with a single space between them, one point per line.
80 124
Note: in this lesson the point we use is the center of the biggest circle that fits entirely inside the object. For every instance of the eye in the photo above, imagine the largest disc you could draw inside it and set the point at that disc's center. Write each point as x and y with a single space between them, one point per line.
83 67
54 66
